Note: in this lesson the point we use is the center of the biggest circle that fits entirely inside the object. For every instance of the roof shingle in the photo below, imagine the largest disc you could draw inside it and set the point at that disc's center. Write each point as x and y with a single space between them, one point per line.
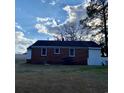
65 43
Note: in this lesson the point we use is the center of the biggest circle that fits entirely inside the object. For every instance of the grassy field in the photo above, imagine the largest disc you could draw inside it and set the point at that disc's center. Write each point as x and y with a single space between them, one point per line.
60 78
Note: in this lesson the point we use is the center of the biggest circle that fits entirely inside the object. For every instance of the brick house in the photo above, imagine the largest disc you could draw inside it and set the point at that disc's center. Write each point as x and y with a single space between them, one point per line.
64 52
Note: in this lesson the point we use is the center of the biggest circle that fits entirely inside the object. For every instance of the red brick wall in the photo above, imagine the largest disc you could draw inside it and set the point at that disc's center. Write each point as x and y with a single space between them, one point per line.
80 56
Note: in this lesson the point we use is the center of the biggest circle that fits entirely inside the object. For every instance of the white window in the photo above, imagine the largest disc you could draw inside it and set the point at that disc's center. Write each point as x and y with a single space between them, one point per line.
56 50
43 51
72 52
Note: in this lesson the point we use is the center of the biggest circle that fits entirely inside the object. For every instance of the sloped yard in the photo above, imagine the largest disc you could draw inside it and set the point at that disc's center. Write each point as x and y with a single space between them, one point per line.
61 78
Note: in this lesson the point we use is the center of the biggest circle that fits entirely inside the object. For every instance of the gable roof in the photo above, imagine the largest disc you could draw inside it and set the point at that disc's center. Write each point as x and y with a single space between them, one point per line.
65 43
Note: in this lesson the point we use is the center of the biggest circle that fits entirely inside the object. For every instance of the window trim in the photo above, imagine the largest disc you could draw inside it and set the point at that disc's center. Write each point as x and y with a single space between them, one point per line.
45 52
70 52
55 50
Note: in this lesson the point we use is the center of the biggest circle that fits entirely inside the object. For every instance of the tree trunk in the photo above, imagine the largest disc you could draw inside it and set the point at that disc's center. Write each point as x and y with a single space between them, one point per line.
105 31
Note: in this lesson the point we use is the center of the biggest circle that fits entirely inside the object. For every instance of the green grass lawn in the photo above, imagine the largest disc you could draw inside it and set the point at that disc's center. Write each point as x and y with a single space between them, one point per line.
60 78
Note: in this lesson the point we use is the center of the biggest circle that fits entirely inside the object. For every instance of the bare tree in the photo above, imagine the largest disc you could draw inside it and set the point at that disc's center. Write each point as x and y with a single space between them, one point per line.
71 32
97 9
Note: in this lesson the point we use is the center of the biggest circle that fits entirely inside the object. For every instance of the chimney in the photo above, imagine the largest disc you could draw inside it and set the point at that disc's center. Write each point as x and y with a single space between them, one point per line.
62 38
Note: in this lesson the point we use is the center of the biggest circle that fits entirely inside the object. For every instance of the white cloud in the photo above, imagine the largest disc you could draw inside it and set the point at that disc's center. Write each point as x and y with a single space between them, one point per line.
75 13
18 26
86 3
52 3
46 25
43 1
47 21
51 27
21 42
41 28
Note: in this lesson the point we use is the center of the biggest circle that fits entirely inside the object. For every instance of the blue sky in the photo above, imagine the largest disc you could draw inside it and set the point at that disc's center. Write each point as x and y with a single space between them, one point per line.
35 19
28 10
